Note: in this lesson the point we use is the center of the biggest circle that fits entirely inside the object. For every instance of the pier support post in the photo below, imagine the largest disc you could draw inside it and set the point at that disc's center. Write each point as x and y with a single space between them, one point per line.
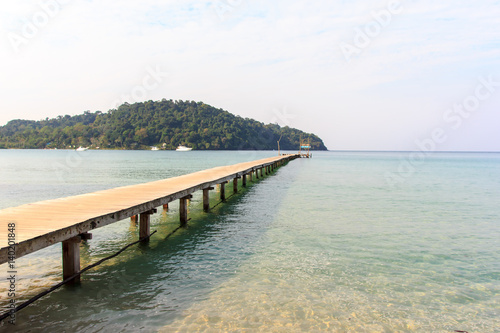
223 191
251 176
71 258
144 224
256 173
206 199
133 218
235 185
165 207
244 180
183 209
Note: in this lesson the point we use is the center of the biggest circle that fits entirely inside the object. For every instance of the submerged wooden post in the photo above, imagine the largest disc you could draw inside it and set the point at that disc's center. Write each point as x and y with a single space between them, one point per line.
235 185
183 209
144 224
206 198
223 191
71 258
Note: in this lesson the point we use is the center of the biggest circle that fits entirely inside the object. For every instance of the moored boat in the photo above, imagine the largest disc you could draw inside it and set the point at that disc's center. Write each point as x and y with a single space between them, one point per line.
183 148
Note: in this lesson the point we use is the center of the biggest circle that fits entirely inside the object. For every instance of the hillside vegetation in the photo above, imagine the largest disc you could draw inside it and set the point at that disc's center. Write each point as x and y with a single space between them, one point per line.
164 123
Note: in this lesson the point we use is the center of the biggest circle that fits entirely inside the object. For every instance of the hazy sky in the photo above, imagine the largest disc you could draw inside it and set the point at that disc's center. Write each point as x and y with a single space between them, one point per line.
369 75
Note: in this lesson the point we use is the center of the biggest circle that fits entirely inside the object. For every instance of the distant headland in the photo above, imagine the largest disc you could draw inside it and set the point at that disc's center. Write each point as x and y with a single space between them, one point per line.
165 124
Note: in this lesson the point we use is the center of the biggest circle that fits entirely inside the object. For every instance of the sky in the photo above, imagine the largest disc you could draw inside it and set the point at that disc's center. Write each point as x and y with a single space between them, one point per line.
362 75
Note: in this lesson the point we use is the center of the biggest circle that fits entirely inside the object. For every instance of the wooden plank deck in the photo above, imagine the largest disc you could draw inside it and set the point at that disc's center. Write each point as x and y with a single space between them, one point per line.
41 224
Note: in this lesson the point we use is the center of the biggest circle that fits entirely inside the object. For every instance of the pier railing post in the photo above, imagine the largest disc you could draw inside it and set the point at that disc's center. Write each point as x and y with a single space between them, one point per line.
71 258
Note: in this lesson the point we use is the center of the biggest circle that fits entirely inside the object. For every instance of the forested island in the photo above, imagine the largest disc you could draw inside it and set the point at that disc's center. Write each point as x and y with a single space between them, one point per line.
165 124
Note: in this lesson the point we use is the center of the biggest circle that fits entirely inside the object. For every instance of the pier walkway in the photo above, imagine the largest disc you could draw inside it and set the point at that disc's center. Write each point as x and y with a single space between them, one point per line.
31 227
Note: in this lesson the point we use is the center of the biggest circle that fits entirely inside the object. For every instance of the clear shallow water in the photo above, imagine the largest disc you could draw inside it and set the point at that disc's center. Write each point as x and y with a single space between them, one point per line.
324 244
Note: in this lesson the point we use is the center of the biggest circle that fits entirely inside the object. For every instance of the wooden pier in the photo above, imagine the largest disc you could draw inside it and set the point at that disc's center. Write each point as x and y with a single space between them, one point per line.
69 220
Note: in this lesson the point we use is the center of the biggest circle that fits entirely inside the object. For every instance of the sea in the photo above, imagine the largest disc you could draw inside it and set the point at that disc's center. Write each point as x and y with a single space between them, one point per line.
340 242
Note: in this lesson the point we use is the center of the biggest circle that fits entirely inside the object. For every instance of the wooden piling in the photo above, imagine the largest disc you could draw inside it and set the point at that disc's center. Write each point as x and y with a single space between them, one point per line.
244 180
165 207
256 173
133 218
144 225
235 185
71 258
206 198
223 191
183 209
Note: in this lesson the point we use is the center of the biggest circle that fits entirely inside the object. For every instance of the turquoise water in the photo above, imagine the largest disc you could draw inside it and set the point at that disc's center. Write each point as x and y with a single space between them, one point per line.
323 244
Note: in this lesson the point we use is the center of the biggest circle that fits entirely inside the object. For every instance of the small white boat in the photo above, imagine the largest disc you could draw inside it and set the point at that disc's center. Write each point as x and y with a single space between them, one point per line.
82 148
155 148
183 148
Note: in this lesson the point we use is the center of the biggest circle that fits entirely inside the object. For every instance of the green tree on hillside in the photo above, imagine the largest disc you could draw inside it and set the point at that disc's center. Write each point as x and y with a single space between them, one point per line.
141 125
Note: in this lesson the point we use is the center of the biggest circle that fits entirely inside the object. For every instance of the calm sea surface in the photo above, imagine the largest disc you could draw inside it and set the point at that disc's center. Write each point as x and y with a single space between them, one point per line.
323 244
